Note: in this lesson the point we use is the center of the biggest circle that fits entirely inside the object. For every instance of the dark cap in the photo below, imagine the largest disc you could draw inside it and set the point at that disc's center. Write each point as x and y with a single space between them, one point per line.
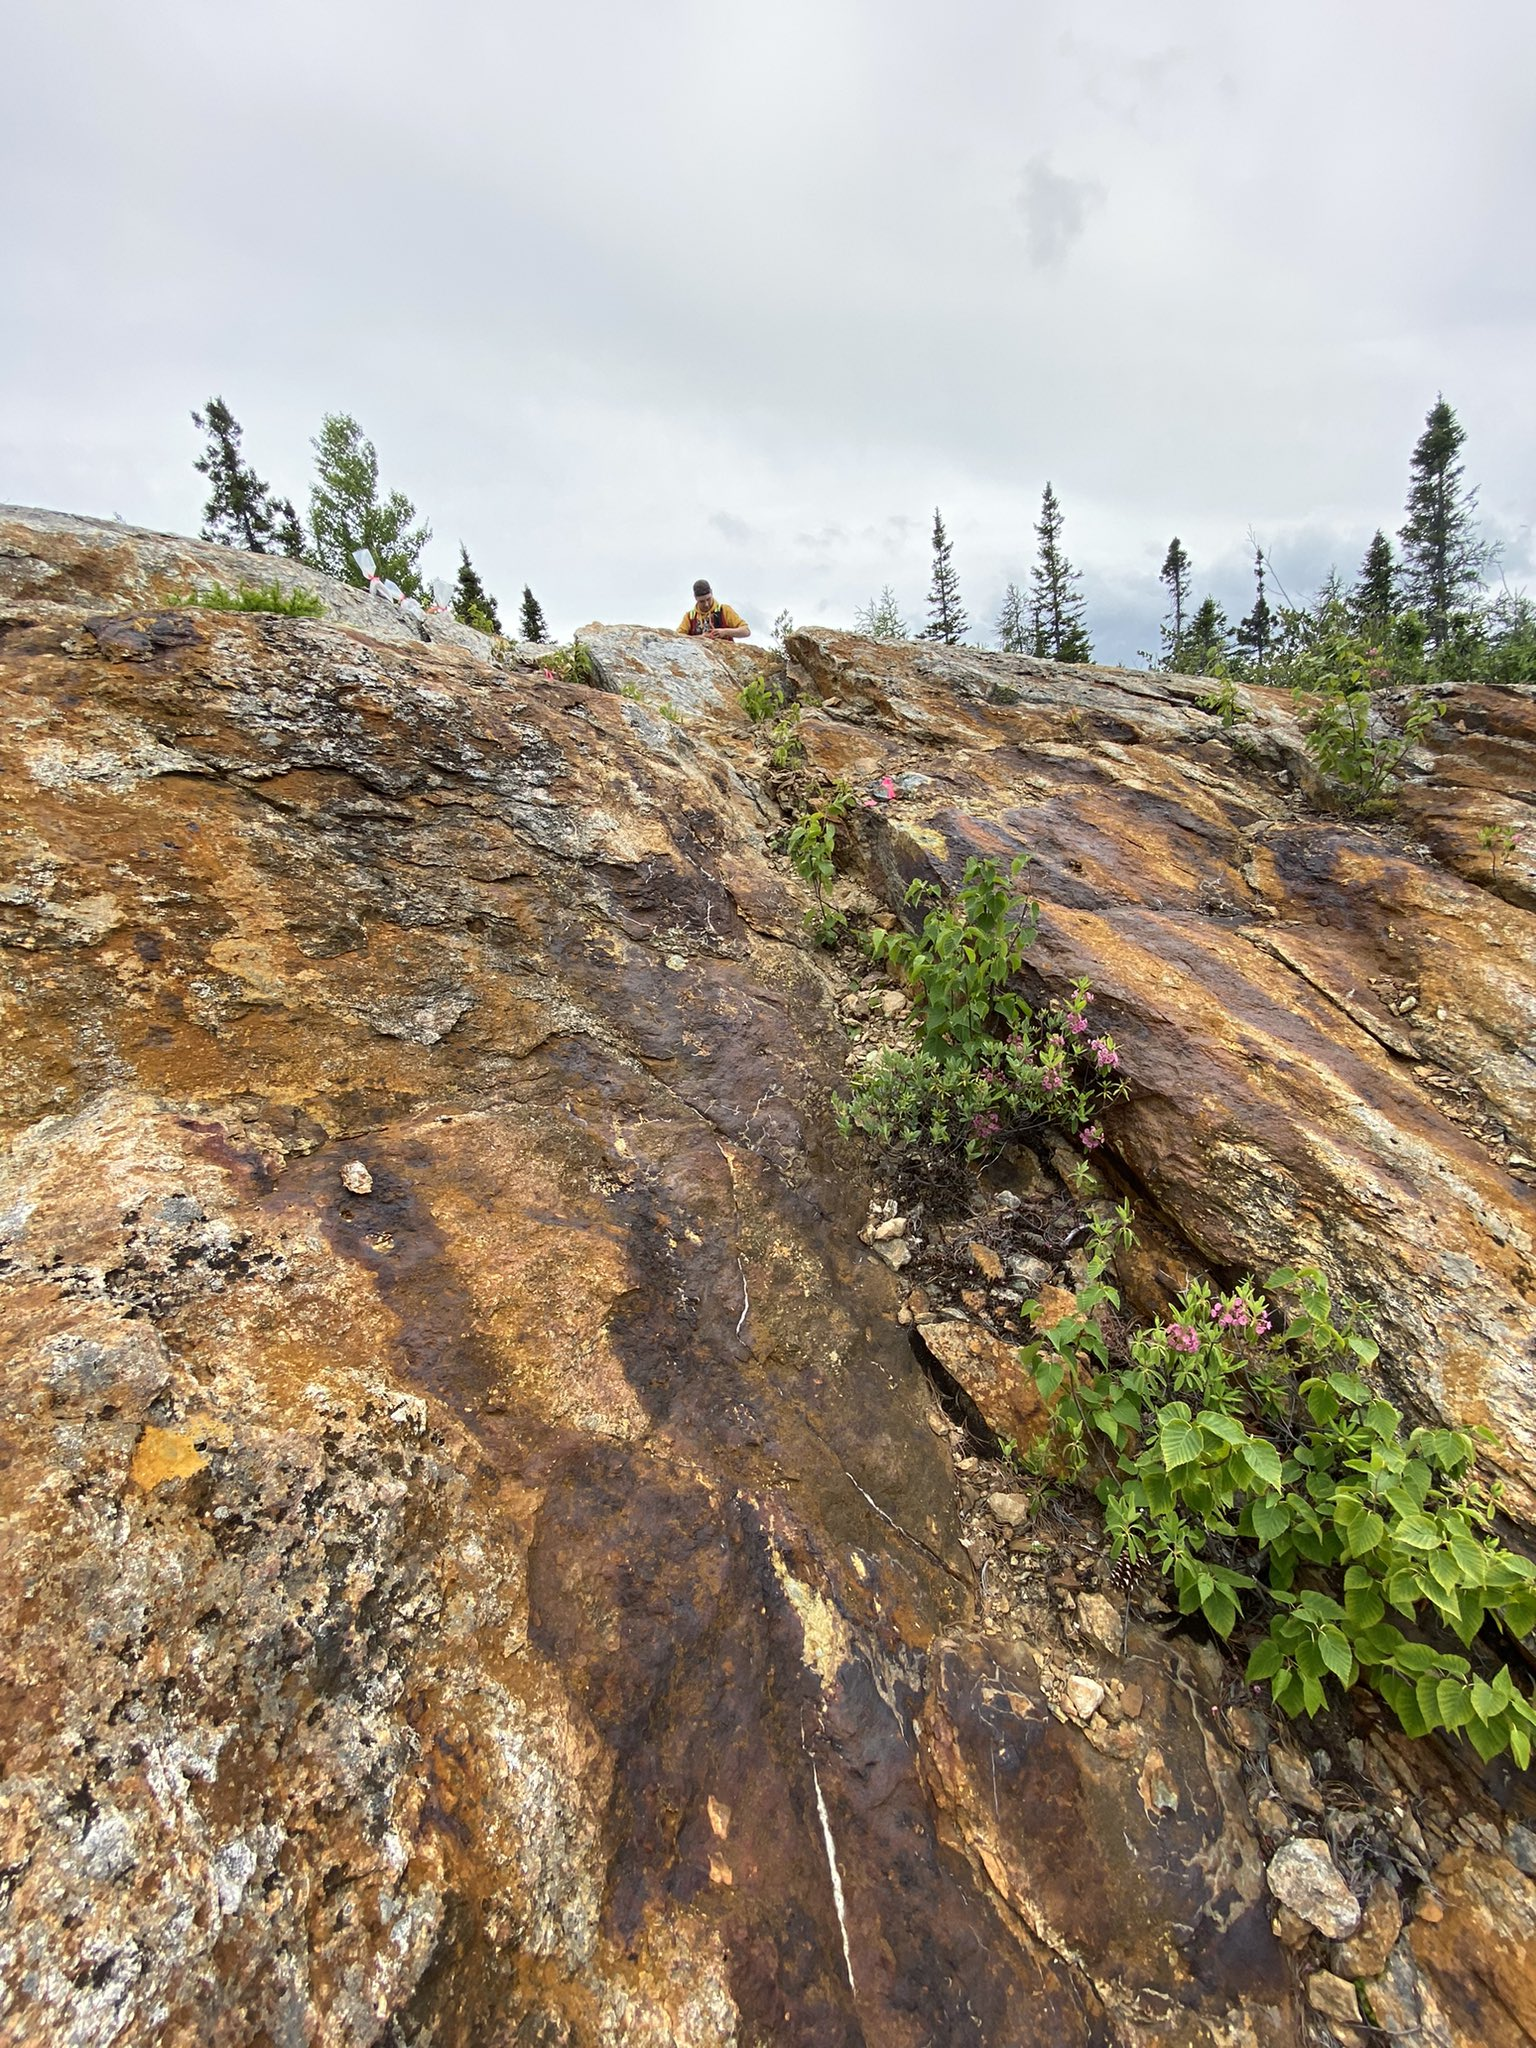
702 589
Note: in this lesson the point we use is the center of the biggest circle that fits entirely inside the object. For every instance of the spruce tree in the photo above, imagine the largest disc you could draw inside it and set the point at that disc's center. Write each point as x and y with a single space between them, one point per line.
946 619
1373 601
1013 635
1175 574
881 618
473 604
346 513
241 511
1443 557
1056 609
533 626
1255 634
1206 644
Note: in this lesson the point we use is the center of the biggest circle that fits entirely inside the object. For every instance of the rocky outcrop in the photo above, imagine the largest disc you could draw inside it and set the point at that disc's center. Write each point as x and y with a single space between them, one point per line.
1331 1026
482 1560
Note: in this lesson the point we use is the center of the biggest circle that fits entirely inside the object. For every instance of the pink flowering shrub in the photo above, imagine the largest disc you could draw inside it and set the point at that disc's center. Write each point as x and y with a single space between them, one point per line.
986 1065
1239 1452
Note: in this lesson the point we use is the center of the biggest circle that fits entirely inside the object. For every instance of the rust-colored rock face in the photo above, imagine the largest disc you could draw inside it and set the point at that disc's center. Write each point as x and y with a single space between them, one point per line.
476 1565
1330 1027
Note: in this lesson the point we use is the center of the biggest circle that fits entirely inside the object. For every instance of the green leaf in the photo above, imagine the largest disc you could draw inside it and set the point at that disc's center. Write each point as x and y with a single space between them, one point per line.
1416 1658
1363 1605
1220 1610
1224 1428
1049 1374
1264 1662
1453 1699
1415 1532
1365 1532
1488 1739
1378 1644
1471 1559
1264 1462
1269 1520
1399 1696
1336 1655
1177 1437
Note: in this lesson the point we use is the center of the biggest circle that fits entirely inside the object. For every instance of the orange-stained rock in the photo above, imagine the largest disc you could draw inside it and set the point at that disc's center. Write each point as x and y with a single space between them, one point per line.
1250 957
1482 1951
473 1550
988 1370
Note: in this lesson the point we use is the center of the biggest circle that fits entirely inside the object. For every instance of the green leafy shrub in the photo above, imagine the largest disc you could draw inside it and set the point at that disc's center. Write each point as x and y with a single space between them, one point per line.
812 848
971 946
1251 1465
985 1066
1346 733
786 749
571 664
1222 702
258 597
761 699
1499 842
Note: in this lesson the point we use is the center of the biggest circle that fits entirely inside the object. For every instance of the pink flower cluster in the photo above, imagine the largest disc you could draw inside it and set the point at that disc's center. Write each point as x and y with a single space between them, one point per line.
1075 1024
1107 1056
1236 1315
1092 1137
1183 1338
986 1124
1050 1080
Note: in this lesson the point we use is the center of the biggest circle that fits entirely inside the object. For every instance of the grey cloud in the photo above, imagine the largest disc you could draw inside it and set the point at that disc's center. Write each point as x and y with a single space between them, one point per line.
1055 210
735 530
585 344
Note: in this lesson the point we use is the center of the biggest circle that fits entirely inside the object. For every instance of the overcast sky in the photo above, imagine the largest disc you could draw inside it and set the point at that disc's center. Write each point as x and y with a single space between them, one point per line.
629 293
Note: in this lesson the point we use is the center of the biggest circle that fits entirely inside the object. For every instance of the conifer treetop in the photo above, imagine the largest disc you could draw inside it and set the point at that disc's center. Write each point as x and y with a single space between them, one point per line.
241 511
473 604
946 616
1443 554
1057 608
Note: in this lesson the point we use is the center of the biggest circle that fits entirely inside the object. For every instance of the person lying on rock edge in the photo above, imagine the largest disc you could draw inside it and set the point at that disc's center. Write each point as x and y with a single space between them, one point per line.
714 621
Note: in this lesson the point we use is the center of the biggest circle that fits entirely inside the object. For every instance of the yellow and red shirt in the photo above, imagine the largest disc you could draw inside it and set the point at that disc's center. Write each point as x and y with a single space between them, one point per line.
695 621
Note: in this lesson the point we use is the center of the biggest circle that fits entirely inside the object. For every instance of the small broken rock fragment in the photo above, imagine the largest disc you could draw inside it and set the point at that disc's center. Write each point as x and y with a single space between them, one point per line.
356 1178
895 1253
1366 1954
1303 1875
1101 1619
1011 1508
1083 1696
1294 1780
985 1260
1333 1998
